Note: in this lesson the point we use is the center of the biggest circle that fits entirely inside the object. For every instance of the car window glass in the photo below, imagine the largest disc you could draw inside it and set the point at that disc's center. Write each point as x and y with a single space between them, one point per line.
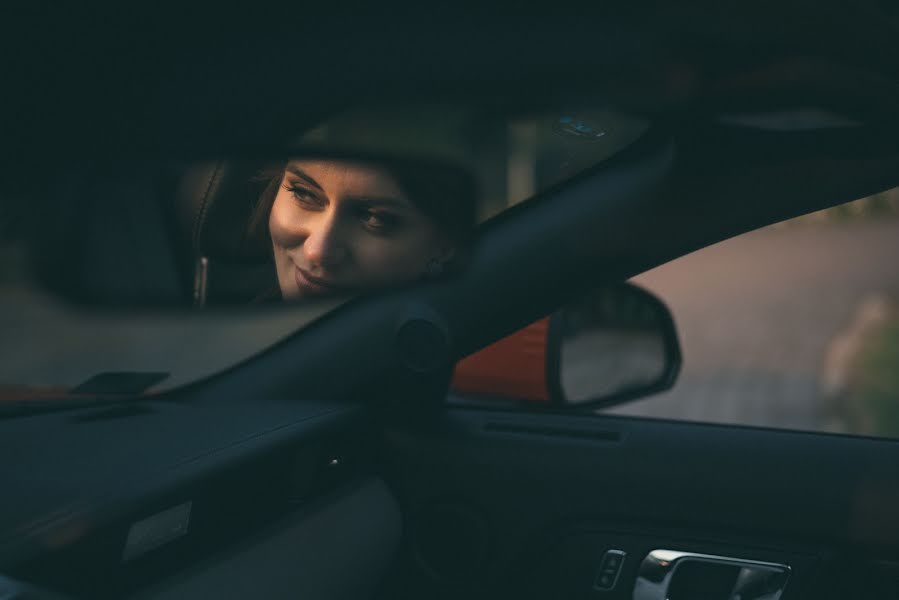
792 326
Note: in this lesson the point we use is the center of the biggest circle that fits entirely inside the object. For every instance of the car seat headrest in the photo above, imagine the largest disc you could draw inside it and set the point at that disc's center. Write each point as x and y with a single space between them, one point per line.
214 203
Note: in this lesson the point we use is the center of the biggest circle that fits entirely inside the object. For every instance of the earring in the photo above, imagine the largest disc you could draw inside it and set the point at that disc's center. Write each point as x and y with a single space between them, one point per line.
434 267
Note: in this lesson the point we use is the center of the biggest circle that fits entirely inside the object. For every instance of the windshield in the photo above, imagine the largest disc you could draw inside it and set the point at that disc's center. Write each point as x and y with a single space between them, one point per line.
142 276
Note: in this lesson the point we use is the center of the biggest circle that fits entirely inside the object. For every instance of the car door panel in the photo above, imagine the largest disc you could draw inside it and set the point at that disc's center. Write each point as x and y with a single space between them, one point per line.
551 493
338 548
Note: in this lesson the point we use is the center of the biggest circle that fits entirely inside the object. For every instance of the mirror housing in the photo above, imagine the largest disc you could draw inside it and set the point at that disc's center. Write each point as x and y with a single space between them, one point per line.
611 345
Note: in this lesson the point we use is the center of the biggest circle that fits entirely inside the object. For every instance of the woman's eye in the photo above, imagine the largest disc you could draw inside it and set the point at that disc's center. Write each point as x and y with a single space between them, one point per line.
379 222
304 196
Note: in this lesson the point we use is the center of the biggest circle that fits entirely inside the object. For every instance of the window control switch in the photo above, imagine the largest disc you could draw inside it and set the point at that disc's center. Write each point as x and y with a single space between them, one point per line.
609 570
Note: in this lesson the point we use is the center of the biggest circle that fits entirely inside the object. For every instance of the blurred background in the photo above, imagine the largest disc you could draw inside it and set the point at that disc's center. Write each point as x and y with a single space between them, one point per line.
795 325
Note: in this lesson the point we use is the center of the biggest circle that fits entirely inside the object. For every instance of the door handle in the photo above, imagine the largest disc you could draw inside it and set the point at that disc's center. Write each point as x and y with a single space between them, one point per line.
659 578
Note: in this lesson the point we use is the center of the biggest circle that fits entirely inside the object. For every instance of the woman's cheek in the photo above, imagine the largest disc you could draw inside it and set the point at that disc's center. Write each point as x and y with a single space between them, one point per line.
398 261
284 226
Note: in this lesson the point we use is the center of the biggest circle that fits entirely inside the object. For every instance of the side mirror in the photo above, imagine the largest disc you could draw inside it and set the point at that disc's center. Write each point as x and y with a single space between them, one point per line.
609 346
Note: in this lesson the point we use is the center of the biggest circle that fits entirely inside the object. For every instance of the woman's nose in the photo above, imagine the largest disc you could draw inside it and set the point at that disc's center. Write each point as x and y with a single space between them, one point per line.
324 245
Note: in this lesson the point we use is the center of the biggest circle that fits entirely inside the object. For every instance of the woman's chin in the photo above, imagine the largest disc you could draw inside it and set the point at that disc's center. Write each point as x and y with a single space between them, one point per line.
290 295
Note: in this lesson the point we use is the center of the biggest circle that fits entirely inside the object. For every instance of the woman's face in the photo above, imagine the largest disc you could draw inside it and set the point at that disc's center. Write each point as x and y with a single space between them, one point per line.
341 227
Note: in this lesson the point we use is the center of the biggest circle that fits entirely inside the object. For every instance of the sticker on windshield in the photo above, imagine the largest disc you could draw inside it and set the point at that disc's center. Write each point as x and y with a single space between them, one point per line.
570 126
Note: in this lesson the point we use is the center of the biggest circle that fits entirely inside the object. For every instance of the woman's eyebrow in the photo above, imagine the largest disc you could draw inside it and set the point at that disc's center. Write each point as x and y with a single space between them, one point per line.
304 176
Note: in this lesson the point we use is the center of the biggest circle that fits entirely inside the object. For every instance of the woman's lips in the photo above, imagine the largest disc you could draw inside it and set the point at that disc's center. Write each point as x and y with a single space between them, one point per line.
310 284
